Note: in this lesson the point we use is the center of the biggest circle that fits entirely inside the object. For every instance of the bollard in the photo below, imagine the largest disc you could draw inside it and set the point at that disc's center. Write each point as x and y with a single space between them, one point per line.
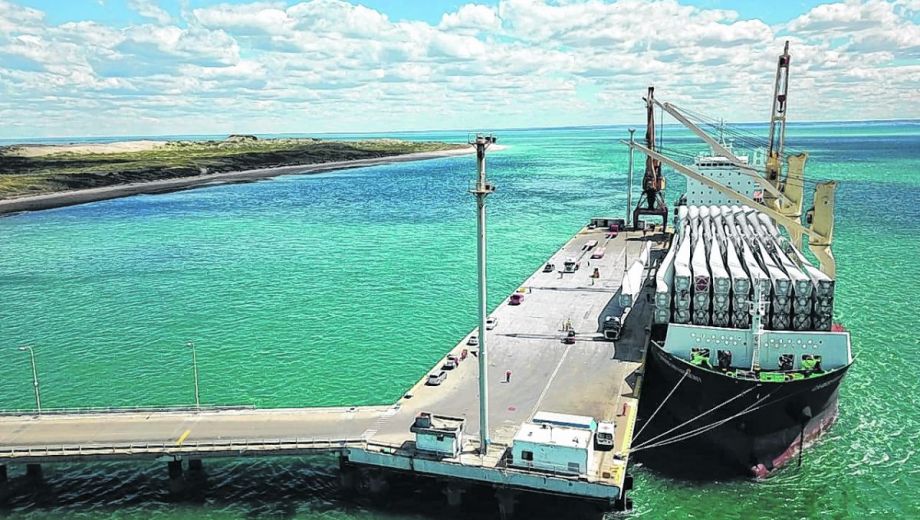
3 474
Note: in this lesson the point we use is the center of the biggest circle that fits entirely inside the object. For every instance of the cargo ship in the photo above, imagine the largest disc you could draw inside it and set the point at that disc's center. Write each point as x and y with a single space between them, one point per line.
745 360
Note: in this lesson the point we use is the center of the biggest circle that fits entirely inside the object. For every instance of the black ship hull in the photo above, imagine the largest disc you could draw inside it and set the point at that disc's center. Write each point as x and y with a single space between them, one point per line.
765 424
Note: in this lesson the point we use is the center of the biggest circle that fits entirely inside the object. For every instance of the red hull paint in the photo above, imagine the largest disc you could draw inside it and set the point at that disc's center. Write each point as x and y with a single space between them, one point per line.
812 434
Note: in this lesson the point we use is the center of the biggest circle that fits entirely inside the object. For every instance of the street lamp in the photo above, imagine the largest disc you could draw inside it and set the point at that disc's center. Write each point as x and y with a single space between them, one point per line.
38 393
191 345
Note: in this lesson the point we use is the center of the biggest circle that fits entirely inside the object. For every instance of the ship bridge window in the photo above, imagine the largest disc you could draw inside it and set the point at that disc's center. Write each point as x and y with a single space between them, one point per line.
527 455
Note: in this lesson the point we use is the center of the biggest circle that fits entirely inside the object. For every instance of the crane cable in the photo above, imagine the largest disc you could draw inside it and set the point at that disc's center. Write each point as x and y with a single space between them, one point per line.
801 183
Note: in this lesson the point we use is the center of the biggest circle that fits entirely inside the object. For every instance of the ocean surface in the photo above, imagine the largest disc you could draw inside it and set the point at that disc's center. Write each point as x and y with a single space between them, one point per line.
343 288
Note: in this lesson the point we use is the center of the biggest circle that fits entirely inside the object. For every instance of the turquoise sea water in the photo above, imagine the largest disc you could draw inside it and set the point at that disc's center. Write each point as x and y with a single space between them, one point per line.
344 287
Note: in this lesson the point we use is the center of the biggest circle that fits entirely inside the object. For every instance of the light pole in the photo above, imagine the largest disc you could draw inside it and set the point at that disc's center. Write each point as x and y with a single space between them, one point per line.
482 190
191 345
38 392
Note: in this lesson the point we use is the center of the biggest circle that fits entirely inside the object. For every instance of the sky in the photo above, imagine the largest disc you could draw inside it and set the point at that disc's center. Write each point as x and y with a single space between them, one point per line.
148 67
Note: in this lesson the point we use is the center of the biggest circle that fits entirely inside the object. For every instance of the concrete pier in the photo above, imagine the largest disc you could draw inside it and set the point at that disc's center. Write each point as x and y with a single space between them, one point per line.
589 376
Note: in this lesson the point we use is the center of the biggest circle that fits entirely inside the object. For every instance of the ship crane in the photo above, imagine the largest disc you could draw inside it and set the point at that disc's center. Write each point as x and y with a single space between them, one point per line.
820 232
651 202
782 198
787 195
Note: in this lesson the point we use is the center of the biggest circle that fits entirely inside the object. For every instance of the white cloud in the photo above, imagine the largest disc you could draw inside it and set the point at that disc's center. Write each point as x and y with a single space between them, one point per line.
148 9
255 18
312 65
472 17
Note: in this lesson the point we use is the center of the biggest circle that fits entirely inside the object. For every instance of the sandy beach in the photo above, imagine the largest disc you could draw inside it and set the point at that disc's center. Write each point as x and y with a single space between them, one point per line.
40 150
70 198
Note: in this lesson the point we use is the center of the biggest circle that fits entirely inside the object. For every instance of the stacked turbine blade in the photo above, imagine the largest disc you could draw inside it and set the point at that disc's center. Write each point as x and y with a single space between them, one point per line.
682 279
663 282
758 277
701 287
823 294
720 282
802 285
781 303
741 288
631 285
717 258
721 286
701 284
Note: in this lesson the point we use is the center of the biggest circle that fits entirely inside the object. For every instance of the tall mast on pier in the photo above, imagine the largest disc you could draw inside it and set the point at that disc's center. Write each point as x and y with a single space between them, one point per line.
482 190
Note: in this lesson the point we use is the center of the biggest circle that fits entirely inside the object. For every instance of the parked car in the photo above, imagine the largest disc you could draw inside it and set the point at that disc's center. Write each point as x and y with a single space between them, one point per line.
571 265
436 378
569 338
473 341
516 299
491 322
451 363
548 268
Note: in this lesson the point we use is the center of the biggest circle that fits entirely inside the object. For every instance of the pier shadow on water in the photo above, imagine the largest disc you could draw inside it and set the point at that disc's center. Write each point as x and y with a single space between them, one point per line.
279 488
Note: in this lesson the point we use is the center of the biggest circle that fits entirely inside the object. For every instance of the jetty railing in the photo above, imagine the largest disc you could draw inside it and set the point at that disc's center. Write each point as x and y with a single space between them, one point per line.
188 448
90 410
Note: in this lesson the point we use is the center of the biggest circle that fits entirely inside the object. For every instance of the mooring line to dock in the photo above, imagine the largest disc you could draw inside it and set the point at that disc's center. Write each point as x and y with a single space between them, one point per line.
681 425
642 429
703 429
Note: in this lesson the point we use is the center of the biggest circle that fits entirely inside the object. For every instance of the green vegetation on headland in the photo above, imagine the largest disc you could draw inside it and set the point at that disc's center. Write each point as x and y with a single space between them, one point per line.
35 170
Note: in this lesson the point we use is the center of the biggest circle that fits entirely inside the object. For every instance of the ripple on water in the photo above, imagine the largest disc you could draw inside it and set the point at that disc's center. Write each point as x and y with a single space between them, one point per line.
344 288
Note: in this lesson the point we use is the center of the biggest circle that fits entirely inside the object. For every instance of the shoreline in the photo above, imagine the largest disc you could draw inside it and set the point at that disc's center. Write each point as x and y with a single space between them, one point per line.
75 197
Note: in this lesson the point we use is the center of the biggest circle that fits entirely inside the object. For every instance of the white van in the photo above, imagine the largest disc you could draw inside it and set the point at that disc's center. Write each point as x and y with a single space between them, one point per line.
604 437
570 266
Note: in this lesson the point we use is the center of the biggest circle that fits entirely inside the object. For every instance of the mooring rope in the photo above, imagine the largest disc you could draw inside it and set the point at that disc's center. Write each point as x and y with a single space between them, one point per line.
681 425
686 373
703 429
